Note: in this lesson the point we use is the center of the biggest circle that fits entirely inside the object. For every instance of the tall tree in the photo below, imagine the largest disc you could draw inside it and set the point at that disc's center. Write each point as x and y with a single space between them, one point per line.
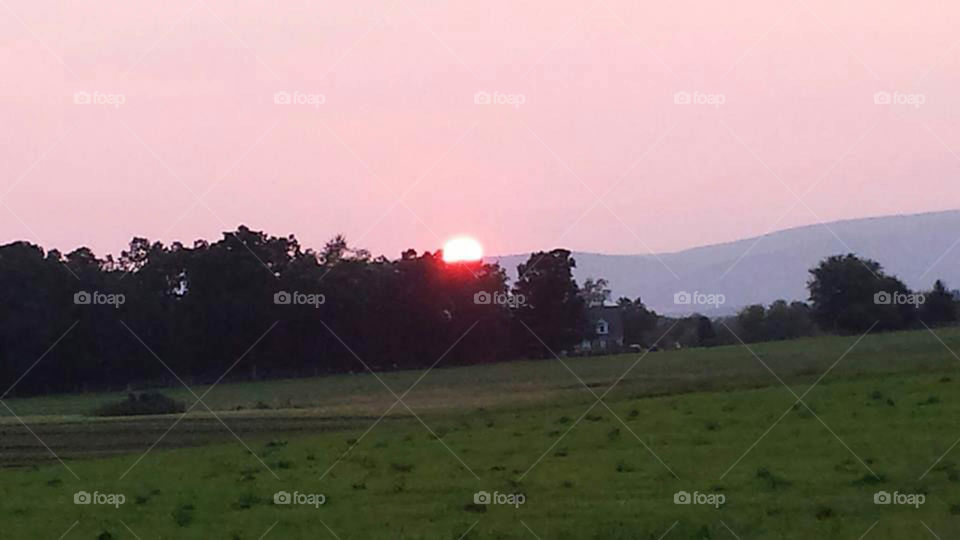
553 309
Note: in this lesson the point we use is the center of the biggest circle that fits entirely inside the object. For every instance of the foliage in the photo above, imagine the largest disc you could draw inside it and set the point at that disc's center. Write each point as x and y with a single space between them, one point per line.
200 309
843 292
552 316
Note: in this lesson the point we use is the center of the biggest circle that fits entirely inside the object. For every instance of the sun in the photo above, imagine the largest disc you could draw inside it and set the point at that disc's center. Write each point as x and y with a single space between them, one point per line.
462 249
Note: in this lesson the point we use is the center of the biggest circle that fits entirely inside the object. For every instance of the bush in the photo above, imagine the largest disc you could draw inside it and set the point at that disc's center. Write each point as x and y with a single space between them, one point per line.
142 403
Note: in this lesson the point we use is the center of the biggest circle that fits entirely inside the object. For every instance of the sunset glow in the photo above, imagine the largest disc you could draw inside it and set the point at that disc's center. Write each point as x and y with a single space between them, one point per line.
462 249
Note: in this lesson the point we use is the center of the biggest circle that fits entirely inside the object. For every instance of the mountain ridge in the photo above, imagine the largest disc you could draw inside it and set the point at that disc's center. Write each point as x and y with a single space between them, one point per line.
918 248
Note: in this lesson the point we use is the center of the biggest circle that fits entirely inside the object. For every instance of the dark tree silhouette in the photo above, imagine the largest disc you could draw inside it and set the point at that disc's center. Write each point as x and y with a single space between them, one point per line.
553 310
848 296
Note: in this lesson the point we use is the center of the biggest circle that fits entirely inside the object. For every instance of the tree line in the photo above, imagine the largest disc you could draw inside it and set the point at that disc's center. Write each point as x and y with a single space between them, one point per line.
76 322
252 306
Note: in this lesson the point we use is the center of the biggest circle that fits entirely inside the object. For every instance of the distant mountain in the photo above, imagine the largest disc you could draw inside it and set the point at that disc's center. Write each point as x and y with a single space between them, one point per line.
917 248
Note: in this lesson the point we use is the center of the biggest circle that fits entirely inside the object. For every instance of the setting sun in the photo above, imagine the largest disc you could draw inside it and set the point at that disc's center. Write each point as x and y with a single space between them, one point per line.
462 249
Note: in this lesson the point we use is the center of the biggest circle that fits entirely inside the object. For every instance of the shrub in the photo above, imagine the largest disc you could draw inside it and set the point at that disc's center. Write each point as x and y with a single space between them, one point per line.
141 403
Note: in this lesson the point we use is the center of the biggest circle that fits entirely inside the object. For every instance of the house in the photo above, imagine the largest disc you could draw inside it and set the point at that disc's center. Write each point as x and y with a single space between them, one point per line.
606 326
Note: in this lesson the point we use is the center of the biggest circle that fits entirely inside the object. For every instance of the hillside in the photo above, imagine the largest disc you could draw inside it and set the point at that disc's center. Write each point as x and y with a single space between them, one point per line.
918 248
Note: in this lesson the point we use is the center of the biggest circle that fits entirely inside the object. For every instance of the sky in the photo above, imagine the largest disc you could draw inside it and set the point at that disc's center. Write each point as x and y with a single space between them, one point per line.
608 126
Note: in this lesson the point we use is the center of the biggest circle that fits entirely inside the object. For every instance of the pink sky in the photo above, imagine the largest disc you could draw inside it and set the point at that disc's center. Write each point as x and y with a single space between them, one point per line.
398 78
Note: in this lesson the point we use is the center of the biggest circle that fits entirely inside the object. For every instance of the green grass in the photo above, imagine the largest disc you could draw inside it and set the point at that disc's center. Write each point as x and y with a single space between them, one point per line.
880 420
533 381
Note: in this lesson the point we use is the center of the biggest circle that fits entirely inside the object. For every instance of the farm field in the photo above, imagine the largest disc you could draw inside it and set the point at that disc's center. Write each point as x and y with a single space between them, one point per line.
708 422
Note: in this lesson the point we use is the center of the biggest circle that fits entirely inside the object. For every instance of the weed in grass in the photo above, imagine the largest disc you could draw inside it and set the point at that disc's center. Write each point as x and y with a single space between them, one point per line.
932 400
824 512
402 467
772 481
249 474
711 425
563 420
594 418
613 434
623 467
804 411
183 515
847 466
246 501
478 508
364 461
870 480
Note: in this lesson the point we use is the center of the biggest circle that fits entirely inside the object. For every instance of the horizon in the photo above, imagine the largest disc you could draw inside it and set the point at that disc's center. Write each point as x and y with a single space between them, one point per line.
488 256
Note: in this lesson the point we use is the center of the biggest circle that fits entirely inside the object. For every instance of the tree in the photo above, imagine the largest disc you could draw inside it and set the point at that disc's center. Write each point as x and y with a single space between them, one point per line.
939 306
595 292
752 322
850 295
706 335
638 322
553 309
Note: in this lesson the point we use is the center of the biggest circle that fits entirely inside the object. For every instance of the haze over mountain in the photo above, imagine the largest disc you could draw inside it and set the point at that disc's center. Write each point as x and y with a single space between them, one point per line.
918 248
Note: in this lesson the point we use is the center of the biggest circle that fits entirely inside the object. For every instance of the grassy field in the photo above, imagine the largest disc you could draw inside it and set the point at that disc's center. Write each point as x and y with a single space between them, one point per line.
712 422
